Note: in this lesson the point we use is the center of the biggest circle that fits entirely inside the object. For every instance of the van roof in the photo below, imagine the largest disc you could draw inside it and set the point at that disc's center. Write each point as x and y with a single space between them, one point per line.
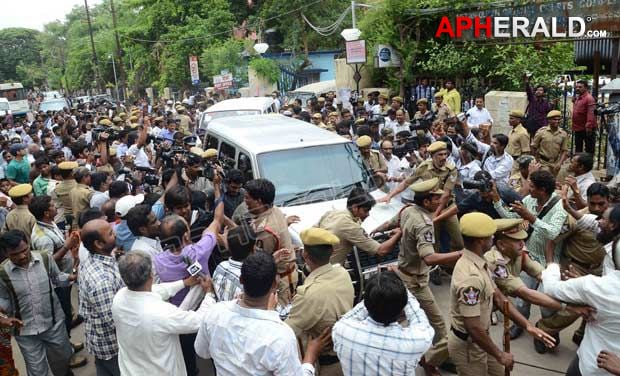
11 85
317 87
251 103
262 133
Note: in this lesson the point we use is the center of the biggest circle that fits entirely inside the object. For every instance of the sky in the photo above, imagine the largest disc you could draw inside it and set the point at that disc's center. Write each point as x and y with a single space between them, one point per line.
33 14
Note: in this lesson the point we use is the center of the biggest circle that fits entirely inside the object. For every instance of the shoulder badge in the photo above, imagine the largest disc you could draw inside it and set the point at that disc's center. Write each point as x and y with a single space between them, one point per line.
429 236
565 228
500 272
471 296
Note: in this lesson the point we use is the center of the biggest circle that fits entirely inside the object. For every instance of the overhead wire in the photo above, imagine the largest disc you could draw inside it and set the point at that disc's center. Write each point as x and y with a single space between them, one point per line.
328 30
222 32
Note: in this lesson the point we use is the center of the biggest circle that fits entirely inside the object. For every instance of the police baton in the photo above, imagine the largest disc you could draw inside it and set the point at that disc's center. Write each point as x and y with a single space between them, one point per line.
506 333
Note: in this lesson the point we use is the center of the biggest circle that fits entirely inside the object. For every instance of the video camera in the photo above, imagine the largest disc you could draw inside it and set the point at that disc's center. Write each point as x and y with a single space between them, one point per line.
484 184
421 124
609 109
113 134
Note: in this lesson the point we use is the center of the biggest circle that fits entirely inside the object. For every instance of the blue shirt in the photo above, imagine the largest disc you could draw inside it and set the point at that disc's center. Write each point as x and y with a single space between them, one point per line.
124 237
167 135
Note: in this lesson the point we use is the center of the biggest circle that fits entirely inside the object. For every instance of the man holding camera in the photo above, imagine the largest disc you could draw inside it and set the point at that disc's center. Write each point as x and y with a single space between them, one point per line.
193 173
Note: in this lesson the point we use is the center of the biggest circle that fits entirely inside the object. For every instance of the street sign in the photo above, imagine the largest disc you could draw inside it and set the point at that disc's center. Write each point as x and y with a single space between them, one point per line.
193 69
387 56
223 81
356 52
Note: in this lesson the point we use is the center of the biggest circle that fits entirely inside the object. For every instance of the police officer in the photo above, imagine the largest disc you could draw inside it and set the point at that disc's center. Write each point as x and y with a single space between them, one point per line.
415 258
186 124
550 145
82 193
518 138
447 174
373 159
326 295
472 293
346 225
20 218
62 190
269 224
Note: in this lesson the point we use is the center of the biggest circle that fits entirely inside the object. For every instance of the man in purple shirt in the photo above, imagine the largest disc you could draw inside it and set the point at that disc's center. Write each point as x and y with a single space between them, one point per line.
179 253
537 107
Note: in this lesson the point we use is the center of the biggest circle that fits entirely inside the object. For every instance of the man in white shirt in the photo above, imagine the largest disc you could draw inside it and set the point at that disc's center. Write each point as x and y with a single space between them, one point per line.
580 178
137 140
240 242
144 225
497 162
370 341
599 293
247 337
478 114
394 174
147 326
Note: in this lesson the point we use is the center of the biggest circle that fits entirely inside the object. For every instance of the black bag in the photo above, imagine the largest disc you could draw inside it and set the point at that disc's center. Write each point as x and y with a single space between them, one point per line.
550 204
530 123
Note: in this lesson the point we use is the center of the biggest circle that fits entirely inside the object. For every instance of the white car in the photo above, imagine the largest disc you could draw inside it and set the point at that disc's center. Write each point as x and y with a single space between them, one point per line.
313 170
238 107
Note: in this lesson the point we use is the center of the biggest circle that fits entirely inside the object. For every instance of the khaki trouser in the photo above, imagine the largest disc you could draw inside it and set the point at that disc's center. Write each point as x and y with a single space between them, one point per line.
471 360
438 353
451 226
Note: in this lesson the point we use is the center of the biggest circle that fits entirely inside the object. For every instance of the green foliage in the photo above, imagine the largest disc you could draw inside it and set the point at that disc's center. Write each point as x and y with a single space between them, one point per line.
266 68
226 55
18 46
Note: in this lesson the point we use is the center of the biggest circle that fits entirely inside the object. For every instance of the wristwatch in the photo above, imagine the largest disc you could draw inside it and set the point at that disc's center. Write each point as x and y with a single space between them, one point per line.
563 306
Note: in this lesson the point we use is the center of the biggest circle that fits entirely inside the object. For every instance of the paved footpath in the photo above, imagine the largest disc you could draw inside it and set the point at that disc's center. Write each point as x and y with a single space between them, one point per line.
552 363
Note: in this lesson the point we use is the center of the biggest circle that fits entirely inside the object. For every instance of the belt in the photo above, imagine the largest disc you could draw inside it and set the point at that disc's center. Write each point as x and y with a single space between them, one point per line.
288 271
459 334
583 264
405 272
515 156
328 360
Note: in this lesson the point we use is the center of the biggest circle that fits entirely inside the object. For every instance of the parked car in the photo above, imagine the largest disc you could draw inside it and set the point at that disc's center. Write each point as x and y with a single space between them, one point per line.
53 105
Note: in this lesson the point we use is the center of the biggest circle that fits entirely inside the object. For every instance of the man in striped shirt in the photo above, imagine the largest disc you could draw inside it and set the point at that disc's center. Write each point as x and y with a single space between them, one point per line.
226 282
370 341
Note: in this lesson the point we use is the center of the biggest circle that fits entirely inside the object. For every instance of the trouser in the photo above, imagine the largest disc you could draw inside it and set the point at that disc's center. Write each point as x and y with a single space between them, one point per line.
548 166
46 353
573 367
581 137
450 226
64 297
107 367
470 359
524 306
189 354
330 370
438 353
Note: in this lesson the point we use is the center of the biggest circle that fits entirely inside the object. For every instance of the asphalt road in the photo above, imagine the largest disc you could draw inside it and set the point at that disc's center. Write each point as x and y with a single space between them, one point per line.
529 363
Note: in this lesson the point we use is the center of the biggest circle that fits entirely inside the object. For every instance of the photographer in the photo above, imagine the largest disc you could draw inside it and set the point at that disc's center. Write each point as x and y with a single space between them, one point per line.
137 143
481 192
193 172
233 191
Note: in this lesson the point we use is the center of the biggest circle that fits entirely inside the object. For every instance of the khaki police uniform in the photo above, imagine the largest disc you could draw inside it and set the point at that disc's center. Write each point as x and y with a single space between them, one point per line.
471 295
80 200
417 241
350 232
375 161
549 146
326 295
518 142
271 235
506 271
20 217
581 250
184 123
447 175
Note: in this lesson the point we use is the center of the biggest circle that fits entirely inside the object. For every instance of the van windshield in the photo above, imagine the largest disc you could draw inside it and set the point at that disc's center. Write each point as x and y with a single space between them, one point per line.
315 174
4 106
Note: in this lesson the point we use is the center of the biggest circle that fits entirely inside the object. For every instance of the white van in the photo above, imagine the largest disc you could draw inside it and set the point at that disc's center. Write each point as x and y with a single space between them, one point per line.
314 90
313 169
238 107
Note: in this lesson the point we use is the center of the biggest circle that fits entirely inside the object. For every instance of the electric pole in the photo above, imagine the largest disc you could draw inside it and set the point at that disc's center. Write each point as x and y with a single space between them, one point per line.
92 44
119 51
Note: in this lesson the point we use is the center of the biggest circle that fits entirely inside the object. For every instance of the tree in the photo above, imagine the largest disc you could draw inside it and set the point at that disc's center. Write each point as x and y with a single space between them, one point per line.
18 46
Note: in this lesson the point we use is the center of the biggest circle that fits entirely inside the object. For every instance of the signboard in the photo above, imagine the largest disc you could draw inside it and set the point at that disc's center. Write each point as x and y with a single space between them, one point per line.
223 81
387 56
193 69
356 52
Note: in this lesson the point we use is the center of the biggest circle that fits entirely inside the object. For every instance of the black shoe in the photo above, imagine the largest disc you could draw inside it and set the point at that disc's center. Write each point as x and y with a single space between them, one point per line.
515 331
540 346
435 277
577 338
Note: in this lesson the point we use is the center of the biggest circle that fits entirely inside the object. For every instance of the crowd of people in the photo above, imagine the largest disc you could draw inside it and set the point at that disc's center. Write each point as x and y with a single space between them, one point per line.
175 254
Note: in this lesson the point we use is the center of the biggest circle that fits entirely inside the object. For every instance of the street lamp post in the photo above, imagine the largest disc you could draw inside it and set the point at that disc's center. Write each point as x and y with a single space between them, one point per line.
115 79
